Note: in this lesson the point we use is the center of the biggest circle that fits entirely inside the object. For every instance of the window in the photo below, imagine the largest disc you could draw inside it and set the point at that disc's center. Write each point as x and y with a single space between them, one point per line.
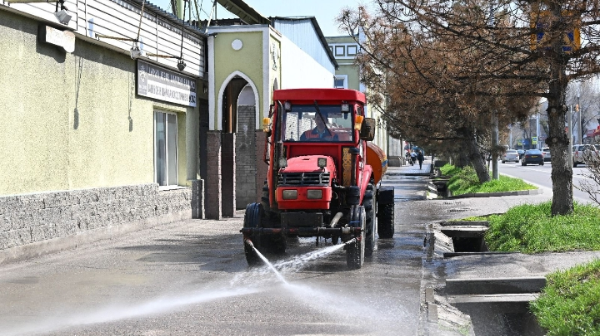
352 50
317 123
165 148
340 50
340 82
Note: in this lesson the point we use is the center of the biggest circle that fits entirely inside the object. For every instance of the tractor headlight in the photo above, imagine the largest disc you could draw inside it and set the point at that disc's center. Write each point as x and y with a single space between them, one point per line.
290 194
314 194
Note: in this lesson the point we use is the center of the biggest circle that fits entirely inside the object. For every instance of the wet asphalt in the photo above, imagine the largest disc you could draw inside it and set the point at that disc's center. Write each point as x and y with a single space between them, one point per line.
191 278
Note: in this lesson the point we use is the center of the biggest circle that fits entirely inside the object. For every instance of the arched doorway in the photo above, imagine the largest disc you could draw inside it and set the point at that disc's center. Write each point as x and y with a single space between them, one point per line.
238 102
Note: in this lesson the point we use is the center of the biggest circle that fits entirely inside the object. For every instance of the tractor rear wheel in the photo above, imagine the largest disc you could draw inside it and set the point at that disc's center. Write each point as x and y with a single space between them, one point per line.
385 213
355 252
252 219
370 204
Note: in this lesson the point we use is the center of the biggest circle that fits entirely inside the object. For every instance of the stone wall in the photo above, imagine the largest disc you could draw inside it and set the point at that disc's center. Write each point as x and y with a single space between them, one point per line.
34 224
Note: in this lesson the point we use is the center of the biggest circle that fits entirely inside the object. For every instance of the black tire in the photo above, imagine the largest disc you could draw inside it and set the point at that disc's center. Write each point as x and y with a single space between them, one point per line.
264 199
385 221
541 164
276 243
355 252
252 218
370 204
523 164
574 163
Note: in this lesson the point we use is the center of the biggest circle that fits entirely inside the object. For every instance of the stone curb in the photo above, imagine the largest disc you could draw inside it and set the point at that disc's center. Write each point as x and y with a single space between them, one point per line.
499 194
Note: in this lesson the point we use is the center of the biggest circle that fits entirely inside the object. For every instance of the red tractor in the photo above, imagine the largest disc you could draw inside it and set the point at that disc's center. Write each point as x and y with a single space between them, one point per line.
323 178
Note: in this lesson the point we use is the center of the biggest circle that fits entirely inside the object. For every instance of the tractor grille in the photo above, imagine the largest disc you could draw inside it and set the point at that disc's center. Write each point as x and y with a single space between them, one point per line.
303 179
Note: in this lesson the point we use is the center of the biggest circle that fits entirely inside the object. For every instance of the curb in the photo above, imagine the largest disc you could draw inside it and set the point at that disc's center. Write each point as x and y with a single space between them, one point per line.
499 194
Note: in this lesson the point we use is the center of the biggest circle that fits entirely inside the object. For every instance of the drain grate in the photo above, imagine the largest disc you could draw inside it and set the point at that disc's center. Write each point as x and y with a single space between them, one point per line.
459 210
452 203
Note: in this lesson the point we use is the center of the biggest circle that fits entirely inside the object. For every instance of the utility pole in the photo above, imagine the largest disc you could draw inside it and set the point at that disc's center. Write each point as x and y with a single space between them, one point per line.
494 117
570 132
579 126
537 130
494 145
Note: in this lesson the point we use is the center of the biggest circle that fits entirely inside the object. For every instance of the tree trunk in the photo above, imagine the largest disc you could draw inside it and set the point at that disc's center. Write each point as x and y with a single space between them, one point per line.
558 141
477 159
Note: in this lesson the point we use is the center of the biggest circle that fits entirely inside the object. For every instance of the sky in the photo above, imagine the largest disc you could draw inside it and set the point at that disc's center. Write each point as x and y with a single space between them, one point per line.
324 10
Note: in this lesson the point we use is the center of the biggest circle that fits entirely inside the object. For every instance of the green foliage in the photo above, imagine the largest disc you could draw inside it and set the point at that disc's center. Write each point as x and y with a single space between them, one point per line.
465 181
531 228
569 304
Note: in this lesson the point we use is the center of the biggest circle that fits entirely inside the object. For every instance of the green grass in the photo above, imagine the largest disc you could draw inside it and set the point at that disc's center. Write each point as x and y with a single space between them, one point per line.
531 228
449 169
569 304
465 181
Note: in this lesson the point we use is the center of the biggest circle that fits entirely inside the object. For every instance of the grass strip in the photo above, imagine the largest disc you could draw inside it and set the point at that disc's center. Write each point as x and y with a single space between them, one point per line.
465 181
530 228
568 305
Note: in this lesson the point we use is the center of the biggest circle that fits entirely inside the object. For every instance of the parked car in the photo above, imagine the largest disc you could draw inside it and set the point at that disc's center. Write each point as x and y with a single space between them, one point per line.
547 155
510 155
521 153
533 156
581 153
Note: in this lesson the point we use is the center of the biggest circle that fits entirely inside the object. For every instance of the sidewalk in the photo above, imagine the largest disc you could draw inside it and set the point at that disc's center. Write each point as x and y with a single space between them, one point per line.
413 214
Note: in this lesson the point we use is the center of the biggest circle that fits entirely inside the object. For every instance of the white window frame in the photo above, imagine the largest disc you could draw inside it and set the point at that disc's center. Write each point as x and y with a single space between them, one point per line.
342 77
174 138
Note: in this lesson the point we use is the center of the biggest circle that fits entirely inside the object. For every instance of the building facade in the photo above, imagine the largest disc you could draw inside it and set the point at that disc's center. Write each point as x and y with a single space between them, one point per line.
100 122
346 49
246 63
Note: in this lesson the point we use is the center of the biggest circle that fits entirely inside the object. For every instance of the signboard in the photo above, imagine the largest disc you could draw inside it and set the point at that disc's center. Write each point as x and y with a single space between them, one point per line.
60 38
534 140
164 84
571 39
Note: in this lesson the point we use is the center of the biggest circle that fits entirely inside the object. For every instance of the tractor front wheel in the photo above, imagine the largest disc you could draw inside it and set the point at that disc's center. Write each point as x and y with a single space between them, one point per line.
355 251
252 219
370 204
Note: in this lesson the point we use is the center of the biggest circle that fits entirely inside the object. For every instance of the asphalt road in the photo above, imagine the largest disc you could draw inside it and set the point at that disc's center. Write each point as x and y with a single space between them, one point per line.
541 175
191 278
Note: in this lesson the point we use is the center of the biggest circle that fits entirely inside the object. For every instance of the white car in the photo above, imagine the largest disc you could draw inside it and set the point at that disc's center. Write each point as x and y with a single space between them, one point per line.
547 155
582 153
511 155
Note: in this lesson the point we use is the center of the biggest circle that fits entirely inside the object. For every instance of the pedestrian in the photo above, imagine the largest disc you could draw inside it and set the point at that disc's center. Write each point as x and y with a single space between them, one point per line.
409 158
420 158
413 158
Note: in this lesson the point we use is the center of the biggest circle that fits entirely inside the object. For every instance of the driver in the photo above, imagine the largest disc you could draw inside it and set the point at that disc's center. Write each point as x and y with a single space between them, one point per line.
320 132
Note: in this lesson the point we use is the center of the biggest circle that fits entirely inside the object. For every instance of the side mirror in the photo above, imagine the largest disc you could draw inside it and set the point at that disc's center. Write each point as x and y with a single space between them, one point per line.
367 130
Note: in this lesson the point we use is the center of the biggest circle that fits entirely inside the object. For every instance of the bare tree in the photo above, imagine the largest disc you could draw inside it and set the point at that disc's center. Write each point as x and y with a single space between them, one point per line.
513 48
591 187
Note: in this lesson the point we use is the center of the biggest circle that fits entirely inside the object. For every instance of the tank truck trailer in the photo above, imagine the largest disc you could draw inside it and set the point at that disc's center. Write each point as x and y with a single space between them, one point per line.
321 181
